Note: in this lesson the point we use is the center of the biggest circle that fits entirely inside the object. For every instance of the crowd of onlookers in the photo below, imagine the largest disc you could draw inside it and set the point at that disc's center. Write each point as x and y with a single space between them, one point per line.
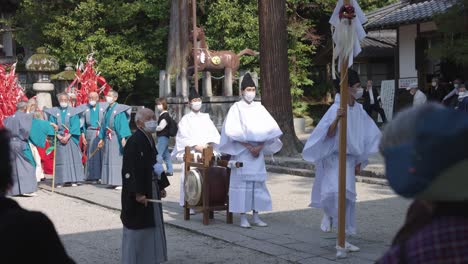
452 95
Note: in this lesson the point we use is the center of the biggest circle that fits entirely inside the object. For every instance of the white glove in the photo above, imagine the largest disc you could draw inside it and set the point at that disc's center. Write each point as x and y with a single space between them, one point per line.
158 169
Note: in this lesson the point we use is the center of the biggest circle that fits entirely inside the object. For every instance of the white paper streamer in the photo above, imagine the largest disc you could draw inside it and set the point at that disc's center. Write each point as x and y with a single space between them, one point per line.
347 37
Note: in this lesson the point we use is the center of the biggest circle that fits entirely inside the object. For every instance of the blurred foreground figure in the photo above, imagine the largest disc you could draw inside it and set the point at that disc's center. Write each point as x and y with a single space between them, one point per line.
25 236
427 162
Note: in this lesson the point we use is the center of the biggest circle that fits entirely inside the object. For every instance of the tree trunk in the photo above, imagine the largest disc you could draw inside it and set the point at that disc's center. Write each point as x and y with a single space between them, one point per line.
274 72
178 50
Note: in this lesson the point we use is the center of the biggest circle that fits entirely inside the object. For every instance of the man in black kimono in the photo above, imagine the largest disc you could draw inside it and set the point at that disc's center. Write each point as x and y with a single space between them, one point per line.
25 236
372 101
144 238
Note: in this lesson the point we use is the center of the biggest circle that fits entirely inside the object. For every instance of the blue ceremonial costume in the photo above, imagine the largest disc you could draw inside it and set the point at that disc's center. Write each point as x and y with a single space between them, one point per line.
68 166
24 129
115 128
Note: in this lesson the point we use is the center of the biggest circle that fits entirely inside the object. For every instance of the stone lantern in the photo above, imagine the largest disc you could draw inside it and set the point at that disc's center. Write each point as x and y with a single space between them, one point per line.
43 65
65 78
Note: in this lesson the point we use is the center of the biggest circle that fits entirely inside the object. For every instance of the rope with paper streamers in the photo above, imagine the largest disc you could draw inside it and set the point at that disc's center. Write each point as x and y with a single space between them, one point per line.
87 80
345 36
11 91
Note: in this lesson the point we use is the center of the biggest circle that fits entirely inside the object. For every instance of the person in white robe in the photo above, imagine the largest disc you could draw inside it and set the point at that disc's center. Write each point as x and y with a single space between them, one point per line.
322 148
419 97
197 131
249 133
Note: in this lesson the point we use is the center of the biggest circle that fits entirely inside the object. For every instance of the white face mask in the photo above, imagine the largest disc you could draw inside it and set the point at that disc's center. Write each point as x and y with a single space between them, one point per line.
150 126
196 106
358 93
109 99
92 103
434 84
63 104
160 108
249 96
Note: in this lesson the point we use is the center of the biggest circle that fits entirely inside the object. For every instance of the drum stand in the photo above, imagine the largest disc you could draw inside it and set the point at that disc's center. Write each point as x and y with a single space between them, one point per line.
203 165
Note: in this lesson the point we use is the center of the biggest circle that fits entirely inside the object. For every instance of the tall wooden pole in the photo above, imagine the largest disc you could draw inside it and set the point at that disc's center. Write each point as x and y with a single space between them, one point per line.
342 151
194 24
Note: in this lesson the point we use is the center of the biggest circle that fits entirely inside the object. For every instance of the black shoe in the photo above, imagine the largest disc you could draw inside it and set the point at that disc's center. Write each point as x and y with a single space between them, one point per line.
169 173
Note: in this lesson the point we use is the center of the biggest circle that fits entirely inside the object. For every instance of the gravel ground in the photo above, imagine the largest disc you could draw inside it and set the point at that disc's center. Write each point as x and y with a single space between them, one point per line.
92 234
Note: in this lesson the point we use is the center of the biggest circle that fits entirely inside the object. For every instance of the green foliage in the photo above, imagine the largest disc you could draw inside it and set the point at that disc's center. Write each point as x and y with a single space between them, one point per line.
320 90
127 37
232 25
454 28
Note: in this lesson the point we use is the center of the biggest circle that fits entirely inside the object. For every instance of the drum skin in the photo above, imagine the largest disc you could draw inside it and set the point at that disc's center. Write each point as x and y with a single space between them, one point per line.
218 186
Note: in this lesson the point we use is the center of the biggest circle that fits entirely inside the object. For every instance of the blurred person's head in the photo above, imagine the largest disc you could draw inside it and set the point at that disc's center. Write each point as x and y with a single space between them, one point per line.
462 88
6 181
354 86
413 88
32 105
93 98
435 82
64 99
145 119
456 83
195 100
22 106
425 151
161 104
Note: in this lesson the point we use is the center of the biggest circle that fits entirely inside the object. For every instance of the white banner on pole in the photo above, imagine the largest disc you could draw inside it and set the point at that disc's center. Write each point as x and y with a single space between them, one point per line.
387 95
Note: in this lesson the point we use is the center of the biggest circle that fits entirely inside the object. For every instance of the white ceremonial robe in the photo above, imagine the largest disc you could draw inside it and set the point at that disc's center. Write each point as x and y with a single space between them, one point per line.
249 123
419 98
363 138
37 160
194 129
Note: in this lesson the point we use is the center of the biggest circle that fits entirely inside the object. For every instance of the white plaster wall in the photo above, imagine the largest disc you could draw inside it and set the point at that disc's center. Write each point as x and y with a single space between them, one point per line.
407 39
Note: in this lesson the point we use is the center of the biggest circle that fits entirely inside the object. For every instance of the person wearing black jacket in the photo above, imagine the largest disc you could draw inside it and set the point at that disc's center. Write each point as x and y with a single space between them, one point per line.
144 238
437 92
25 236
163 134
372 101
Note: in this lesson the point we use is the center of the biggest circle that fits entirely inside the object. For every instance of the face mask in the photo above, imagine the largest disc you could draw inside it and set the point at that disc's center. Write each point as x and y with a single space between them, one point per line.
63 105
109 99
249 96
456 86
196 106
160 108
150 126
92 103
358 93
434 84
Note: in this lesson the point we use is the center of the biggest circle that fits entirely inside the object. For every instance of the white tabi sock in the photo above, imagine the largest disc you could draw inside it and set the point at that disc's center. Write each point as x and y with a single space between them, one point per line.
244 222
257 221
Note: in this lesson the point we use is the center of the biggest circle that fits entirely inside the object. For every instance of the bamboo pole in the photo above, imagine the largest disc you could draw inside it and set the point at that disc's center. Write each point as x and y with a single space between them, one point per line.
194 22
342 151
55 154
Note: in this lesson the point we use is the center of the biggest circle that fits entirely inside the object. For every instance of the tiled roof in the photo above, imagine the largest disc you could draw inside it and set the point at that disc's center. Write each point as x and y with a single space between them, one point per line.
405 12
377 44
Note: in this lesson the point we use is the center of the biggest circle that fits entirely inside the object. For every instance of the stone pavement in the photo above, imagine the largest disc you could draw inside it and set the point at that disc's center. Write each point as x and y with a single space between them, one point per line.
293 233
